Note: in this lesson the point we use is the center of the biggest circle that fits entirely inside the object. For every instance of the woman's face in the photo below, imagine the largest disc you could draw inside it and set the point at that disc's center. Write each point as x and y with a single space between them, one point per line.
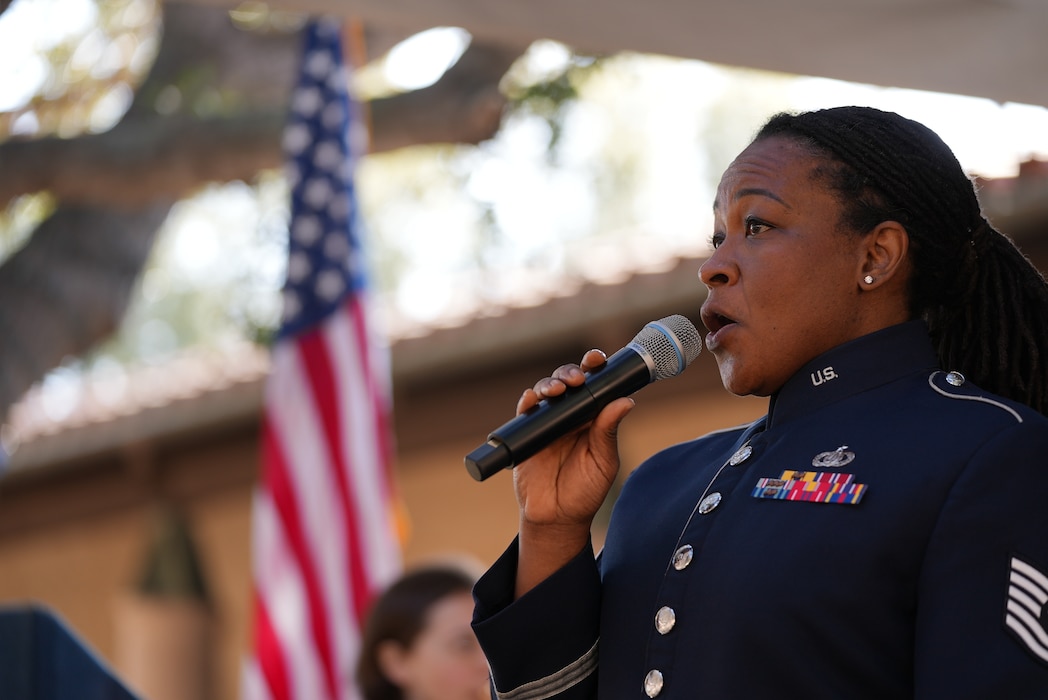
445 661
784 279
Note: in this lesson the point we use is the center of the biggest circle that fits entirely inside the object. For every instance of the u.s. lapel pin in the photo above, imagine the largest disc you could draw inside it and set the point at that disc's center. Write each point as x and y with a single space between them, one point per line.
836 458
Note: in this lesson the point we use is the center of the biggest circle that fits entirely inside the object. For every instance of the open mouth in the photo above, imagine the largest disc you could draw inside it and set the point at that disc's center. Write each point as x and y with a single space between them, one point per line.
714 321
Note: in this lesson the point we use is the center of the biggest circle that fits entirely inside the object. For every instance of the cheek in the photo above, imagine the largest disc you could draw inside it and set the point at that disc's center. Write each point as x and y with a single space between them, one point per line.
804 296
457 673
762 357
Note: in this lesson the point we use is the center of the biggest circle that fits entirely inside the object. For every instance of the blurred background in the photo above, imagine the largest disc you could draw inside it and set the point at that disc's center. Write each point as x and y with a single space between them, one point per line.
538 180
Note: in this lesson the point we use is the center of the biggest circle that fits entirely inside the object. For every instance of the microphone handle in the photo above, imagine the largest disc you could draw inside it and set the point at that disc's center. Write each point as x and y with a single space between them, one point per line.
528 433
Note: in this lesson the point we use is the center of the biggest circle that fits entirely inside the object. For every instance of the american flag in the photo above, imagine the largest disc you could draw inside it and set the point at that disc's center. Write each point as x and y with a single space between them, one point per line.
323 528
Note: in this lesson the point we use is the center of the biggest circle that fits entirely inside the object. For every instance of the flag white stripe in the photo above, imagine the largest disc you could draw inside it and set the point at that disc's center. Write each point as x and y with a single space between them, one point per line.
253 684
298 429
355 409
371 496
282 592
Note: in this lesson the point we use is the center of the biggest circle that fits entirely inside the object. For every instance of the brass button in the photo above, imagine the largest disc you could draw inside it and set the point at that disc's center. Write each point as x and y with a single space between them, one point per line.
665 619
682 557
740 456
653 683
709 503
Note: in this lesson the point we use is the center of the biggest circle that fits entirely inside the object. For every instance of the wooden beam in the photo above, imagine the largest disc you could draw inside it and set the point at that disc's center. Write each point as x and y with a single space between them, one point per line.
989 49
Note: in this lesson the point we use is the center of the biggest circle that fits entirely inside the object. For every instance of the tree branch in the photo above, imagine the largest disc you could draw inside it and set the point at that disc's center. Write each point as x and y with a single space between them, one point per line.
65 290
69 286
143 159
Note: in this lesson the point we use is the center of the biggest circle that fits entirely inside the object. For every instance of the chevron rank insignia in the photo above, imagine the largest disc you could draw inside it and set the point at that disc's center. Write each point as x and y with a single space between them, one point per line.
1025 616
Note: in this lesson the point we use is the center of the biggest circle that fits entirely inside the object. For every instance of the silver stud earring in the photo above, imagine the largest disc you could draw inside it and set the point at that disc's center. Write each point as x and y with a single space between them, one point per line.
868 279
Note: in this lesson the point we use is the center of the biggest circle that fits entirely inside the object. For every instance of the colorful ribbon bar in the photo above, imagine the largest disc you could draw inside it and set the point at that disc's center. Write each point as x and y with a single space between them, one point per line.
815 487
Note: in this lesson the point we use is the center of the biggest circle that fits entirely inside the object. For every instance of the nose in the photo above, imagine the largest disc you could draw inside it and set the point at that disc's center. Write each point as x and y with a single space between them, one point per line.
718 270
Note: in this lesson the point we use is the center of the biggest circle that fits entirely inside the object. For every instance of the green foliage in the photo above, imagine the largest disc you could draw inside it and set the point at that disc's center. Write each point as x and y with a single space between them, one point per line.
90 71
213 276
549 94
19 218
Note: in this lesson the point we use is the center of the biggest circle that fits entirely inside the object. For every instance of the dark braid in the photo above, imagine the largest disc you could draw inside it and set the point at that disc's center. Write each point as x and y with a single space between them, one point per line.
985 304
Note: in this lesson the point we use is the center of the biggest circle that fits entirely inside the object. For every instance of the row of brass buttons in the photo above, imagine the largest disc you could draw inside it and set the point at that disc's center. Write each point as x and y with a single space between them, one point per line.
666 617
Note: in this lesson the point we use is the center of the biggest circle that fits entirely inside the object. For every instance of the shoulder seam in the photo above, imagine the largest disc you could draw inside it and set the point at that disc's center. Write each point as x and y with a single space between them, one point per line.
740 426
982 399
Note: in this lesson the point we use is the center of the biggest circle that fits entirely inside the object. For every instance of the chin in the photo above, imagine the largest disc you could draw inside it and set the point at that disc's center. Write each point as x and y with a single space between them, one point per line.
731 379
737 382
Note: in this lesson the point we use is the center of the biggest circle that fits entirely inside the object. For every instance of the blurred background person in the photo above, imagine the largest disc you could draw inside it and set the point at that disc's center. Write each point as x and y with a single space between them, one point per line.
418 643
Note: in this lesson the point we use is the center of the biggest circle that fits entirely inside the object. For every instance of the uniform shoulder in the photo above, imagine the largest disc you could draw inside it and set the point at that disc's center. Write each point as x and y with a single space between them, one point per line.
954 386
716 440
680 459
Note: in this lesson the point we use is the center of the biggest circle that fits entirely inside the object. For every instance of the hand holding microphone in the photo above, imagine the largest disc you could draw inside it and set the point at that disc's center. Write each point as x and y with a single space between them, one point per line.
660 350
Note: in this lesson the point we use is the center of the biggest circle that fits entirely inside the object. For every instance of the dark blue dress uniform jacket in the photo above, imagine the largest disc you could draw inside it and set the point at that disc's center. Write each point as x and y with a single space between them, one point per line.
928 581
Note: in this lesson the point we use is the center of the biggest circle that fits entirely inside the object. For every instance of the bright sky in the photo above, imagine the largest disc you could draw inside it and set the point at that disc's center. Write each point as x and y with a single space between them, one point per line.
22 37
29 28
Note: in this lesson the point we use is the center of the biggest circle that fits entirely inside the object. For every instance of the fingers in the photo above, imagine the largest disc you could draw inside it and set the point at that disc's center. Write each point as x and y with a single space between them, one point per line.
567 375
593 359
528 399
562 377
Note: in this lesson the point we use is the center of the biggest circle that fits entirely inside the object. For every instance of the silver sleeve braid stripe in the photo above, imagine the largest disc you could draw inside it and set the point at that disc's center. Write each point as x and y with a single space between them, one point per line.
555 683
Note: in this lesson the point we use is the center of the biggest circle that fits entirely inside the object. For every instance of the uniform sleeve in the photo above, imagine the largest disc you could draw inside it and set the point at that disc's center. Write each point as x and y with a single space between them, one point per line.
981 607
543 644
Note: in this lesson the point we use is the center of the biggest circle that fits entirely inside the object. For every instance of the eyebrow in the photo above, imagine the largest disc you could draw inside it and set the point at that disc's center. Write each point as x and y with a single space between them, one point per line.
759 191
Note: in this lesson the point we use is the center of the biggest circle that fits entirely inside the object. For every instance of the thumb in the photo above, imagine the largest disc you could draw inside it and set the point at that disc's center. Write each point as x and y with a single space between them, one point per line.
605 429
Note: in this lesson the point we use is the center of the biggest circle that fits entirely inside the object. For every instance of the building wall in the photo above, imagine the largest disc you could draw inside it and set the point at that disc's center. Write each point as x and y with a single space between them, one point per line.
74 536
75 539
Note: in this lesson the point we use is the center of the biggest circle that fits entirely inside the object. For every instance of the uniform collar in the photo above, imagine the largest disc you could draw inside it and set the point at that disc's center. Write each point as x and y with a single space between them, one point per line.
856 366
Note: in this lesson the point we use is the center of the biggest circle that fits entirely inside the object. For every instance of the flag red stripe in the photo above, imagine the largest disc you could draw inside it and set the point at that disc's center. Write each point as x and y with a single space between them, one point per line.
317 363
376 392
270 653
324 529
279 485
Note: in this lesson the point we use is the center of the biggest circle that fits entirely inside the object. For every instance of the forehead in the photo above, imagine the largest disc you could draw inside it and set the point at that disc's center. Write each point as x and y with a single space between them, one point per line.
774 167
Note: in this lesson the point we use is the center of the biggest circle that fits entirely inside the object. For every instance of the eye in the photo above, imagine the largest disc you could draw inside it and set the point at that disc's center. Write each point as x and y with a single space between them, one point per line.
756 226
716 239
463 643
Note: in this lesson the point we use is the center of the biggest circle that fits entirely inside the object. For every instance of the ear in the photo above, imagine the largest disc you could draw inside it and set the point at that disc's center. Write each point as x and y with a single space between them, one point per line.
885 255
394 662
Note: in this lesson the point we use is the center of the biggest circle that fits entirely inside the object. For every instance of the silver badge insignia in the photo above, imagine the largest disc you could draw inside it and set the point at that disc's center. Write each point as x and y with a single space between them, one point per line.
837 458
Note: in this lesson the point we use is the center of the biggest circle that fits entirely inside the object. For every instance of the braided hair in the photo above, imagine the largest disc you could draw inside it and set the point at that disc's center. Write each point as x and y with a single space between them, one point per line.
985 304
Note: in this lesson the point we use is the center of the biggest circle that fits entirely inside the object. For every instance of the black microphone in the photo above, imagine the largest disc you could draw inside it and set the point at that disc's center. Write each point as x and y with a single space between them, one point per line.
662 349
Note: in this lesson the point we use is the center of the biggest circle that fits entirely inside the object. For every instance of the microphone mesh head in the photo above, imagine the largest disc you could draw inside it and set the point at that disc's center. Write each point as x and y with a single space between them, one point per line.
671 342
